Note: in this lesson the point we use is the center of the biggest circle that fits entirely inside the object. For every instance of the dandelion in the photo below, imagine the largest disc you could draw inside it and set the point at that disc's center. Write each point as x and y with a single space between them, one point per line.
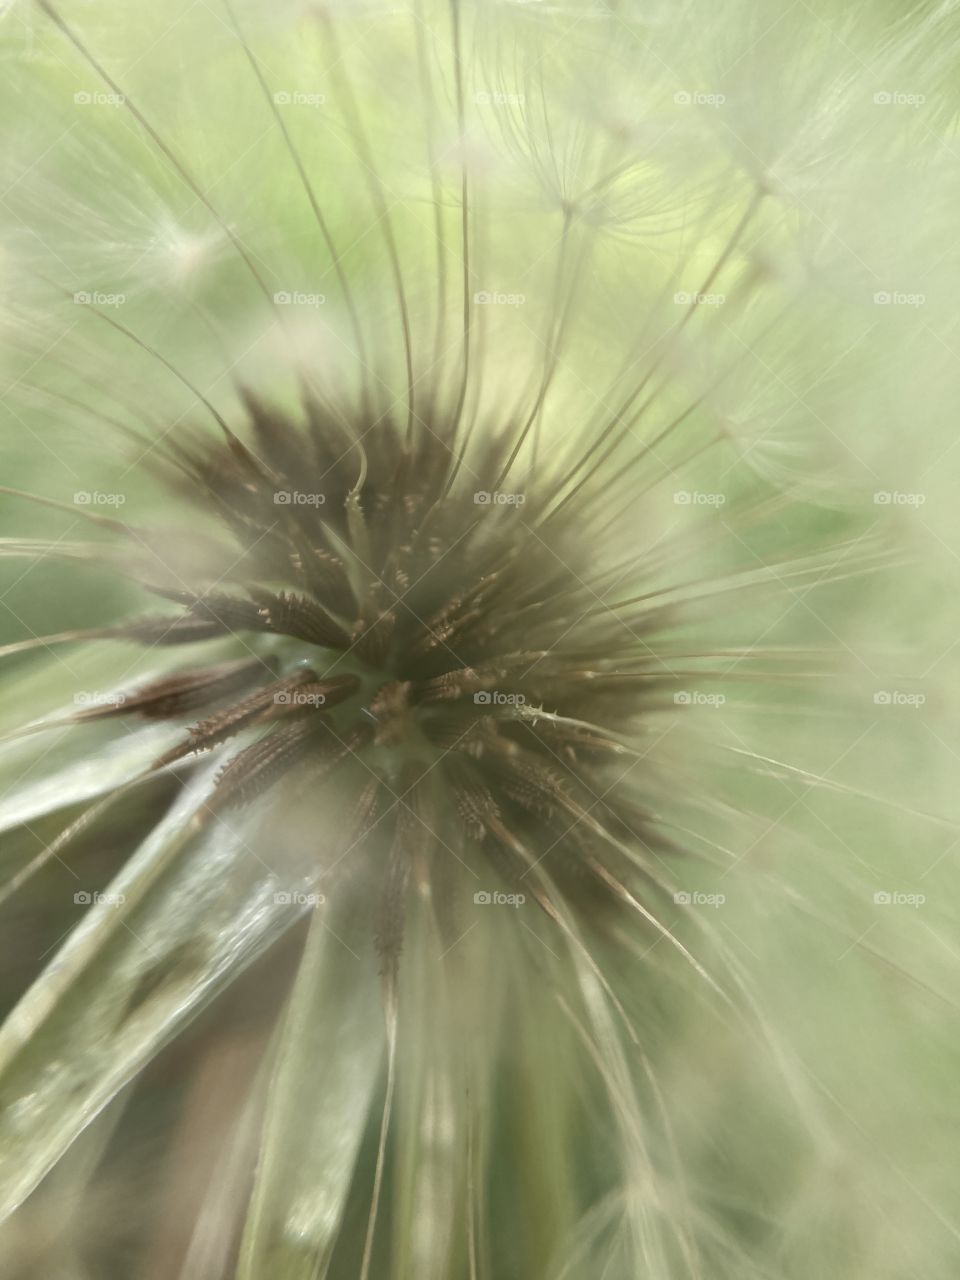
459 524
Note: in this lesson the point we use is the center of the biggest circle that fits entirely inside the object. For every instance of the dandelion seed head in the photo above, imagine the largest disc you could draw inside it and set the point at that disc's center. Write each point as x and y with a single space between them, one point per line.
465 458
